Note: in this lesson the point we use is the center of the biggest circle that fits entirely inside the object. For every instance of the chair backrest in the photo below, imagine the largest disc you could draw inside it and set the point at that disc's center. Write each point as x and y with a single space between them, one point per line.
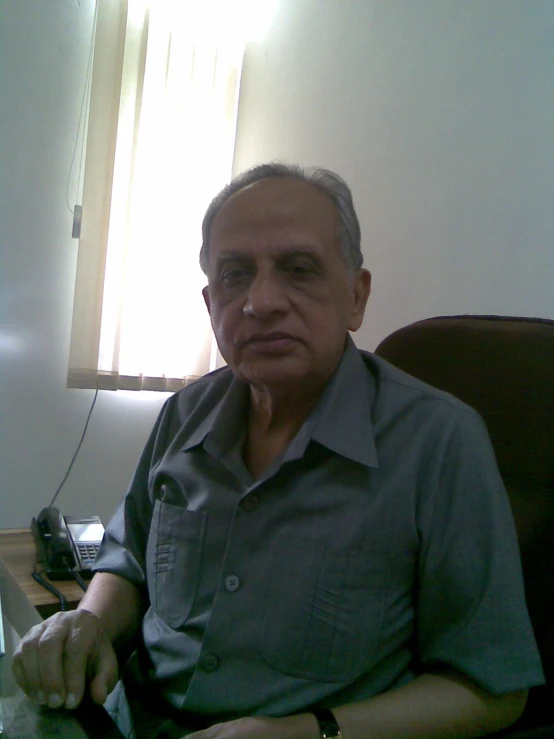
504 368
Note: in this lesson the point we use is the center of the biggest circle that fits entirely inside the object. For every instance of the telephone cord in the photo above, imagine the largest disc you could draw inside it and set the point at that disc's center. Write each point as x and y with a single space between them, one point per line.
38 577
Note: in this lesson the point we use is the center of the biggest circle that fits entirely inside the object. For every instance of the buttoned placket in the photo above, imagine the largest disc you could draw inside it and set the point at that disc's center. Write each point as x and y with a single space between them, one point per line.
251 492
210 660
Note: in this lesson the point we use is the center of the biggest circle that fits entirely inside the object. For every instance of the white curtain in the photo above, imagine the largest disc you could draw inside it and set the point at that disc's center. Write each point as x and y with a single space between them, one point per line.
160 142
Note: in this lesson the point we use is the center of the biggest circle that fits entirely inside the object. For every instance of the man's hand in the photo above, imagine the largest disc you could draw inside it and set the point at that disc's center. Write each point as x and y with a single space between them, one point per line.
53 661
301 726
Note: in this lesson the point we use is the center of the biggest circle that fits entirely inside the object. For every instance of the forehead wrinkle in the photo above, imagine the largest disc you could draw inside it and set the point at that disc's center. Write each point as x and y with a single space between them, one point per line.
278 253
277 204
287 238
263 224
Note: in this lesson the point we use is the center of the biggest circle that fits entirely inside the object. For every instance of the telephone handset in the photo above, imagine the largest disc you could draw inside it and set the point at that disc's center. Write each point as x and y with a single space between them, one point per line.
67 543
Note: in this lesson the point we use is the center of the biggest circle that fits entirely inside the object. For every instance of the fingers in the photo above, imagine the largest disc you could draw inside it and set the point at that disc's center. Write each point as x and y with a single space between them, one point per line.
52 660
25 664
78 648
104 671
50 655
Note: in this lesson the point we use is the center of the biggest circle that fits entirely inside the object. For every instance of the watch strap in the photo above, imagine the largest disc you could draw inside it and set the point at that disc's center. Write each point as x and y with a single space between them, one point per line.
327 724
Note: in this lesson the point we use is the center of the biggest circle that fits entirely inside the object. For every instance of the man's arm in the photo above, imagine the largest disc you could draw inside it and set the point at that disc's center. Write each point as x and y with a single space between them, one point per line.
437 705
53 661
118 604
442 704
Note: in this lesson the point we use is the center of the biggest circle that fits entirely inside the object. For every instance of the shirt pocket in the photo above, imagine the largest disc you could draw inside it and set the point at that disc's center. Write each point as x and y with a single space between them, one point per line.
324 610
173 559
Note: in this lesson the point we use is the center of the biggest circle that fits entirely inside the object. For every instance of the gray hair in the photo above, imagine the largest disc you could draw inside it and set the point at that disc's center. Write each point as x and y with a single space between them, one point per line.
325 180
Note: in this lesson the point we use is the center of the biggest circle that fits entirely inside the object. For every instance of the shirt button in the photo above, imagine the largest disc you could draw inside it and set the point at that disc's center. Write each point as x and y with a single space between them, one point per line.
210 662
250 503
232 583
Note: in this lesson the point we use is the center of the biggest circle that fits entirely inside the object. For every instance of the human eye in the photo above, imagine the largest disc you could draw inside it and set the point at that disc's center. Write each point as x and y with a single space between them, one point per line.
299 268
233 274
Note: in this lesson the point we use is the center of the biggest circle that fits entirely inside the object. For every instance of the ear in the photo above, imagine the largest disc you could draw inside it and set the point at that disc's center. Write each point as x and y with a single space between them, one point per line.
362 289
206 296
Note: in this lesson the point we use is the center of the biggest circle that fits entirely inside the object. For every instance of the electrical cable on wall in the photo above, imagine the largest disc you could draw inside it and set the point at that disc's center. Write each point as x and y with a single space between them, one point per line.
76 212
39 576
82 118
62 483
81 124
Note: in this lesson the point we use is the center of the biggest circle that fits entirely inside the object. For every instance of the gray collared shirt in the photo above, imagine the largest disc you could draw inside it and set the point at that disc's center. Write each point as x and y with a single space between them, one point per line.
379 543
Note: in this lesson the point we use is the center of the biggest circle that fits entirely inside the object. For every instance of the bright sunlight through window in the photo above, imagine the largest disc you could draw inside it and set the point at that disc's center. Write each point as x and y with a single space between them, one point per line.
161 134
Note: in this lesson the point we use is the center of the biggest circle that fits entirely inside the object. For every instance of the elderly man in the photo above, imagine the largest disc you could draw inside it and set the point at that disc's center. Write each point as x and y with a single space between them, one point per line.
314 544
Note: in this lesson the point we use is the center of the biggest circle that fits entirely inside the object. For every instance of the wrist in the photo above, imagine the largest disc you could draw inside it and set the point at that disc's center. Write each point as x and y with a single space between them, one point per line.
102 624
327 723
302 726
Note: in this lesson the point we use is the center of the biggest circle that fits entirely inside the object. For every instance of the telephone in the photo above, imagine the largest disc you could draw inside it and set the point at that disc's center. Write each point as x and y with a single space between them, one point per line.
67 543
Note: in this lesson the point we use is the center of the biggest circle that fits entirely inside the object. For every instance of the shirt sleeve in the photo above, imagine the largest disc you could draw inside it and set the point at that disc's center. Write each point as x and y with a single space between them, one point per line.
123 548
471 610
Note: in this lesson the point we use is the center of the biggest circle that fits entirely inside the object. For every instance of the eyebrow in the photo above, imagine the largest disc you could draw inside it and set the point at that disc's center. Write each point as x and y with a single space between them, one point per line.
229 255
293 251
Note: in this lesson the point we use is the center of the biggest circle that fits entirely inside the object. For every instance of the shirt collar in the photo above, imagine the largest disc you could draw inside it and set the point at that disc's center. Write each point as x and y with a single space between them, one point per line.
341 420
224 424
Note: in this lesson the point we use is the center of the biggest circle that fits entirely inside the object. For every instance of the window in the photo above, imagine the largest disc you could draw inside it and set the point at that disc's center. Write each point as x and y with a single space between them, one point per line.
160 142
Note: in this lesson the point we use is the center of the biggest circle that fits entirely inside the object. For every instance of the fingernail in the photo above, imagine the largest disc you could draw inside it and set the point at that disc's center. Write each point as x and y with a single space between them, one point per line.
54 700
40 697
70 700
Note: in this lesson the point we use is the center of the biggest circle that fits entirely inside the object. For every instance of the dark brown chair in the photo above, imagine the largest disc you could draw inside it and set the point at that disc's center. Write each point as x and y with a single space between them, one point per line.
504 368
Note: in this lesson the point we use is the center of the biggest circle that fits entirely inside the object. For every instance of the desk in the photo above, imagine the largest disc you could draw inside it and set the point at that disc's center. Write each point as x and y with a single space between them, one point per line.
19 553
22 718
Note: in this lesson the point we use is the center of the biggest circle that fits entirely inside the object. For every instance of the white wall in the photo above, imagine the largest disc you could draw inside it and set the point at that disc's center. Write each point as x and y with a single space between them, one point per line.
44 52
440 116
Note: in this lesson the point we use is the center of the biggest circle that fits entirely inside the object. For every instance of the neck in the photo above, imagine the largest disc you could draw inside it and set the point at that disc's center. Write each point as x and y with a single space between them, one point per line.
281 413
274 420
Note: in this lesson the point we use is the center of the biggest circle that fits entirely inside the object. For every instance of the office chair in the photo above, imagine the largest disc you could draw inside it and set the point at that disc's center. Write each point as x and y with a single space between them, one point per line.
504 368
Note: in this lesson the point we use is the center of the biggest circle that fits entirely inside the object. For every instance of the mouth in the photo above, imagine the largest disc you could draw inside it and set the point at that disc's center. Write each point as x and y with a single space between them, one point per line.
268 337
271 342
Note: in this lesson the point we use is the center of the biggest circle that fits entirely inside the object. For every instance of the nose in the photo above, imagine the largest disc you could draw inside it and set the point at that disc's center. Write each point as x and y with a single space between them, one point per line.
266 296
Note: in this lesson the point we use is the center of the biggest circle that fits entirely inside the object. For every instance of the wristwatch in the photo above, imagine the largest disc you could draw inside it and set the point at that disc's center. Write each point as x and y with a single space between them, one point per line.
327 724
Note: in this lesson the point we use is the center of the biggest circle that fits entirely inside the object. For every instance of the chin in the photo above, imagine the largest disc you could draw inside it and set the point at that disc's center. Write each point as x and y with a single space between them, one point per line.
276 373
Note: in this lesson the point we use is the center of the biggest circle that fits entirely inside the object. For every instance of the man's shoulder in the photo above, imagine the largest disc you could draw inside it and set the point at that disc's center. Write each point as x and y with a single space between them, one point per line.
194 403
396 387
207 390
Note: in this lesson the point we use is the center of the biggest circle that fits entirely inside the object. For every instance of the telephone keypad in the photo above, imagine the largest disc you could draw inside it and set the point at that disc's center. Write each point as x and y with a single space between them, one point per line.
88 552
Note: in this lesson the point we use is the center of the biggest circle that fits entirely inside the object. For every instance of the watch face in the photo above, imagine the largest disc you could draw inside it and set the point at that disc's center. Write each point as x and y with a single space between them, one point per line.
327 725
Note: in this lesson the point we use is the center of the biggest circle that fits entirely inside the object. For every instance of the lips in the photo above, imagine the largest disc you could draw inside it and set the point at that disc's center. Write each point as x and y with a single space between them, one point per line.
268 337
270 343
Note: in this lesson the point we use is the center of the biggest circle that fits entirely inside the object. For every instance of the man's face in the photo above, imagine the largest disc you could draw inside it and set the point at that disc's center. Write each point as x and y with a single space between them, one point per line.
279 295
